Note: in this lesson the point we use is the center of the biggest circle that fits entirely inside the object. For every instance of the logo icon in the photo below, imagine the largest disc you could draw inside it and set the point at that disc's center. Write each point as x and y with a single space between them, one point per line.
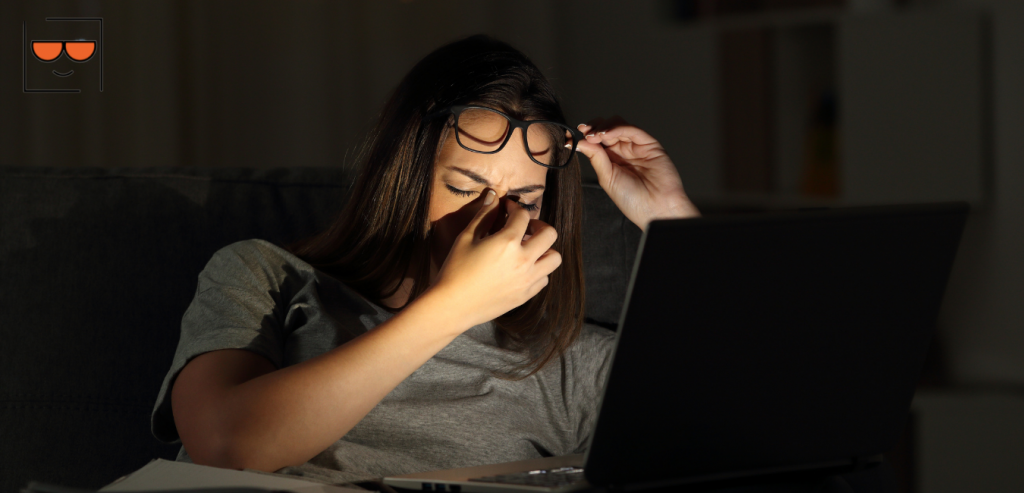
61 56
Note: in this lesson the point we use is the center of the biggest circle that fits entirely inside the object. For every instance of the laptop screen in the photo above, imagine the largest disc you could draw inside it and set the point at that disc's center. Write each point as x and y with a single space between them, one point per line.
771 342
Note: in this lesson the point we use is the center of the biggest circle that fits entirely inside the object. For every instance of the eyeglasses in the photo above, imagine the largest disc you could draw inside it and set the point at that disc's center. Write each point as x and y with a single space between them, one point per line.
486 131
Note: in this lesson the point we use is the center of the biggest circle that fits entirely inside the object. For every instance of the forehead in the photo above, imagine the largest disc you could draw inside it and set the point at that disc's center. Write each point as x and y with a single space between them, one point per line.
510 167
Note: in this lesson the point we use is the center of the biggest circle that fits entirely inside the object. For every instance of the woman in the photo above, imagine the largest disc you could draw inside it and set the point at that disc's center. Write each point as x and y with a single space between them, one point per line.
460 249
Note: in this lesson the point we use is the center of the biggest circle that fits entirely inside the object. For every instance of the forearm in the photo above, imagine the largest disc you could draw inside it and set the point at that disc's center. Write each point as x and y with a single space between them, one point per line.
287 416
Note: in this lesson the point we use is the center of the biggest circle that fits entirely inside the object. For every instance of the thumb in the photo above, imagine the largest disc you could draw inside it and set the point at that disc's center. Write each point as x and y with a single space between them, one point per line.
482 221
598 159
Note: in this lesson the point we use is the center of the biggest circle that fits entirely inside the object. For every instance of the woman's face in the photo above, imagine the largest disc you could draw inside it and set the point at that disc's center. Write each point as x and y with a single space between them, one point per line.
460 176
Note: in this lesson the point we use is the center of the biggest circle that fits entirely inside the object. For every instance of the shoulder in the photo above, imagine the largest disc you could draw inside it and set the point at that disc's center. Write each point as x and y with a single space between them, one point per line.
585 366
255 250
592 348
257 260
595 337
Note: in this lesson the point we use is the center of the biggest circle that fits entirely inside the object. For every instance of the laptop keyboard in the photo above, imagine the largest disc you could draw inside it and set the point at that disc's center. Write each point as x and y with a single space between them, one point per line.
551 478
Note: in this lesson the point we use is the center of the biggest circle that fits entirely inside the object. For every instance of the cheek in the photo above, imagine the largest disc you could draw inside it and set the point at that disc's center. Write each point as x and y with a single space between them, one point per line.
449 214
440 205
442 202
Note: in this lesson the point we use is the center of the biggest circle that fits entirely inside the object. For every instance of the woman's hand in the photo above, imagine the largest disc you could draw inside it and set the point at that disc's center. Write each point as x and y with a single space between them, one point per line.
634 170
488 275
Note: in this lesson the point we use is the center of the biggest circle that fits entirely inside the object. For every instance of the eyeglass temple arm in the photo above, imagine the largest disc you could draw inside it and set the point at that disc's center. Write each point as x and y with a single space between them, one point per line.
436 114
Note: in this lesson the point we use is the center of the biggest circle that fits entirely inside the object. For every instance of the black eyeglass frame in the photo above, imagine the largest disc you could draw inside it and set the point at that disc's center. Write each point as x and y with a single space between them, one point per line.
522 125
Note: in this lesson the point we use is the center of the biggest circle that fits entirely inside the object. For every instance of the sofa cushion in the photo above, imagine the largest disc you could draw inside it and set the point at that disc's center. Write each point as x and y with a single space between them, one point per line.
97 266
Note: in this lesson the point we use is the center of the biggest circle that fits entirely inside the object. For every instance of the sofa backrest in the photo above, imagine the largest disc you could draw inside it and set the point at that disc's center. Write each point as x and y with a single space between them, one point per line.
97 266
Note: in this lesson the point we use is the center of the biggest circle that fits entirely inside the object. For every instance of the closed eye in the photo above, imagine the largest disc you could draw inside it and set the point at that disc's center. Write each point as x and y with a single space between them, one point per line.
460 193
467 193
529 207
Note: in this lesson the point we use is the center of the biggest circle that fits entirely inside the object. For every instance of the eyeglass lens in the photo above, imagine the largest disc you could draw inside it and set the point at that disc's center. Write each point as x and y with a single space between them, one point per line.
483 130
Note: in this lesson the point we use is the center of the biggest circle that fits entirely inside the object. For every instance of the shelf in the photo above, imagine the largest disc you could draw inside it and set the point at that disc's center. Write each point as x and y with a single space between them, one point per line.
905 93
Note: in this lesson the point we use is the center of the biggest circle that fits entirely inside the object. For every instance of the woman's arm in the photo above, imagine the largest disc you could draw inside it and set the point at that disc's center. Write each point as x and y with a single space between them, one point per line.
635 171
232 409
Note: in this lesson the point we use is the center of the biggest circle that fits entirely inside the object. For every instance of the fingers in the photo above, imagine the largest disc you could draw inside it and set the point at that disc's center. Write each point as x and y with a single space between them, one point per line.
598 157
549 261
482 221
518 220
613 131
614 139
546 265
542 237
537 286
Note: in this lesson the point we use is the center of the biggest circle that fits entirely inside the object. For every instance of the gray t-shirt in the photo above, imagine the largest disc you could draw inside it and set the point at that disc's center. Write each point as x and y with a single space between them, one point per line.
451 412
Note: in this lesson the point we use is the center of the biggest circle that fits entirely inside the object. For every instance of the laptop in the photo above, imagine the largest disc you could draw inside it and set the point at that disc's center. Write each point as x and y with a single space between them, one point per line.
754 346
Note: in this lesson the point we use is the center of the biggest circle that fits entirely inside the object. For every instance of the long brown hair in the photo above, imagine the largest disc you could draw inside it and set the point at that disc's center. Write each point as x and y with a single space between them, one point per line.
373 243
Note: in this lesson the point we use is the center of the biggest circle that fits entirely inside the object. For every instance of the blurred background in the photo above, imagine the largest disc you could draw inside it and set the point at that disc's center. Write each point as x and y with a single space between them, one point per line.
762 104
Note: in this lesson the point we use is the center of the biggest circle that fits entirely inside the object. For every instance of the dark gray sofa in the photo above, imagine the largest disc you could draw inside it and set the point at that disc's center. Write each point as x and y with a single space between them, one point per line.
97 266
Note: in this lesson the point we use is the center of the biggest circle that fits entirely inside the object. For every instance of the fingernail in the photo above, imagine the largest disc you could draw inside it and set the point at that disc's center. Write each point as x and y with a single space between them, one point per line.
489 199
600 133
568 146
581 125
590 135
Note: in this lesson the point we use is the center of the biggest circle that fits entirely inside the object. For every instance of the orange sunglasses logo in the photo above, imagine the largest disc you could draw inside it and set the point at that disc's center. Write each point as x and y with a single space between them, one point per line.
49 51
53 51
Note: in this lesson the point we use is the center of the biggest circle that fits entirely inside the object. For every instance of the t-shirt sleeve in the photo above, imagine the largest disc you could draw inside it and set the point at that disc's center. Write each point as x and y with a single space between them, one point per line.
591 363
236 305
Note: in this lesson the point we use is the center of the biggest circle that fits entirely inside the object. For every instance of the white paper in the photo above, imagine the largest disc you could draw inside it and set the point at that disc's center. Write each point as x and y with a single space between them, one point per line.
162 474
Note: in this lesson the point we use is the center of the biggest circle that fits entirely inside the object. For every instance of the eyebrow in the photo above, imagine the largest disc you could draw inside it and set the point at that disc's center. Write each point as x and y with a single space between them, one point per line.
479 179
